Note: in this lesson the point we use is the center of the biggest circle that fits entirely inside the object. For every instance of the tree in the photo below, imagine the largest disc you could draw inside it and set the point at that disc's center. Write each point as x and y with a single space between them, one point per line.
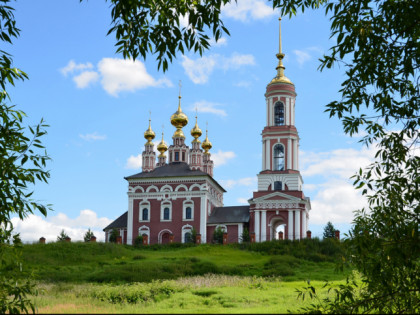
62 236
22 164
138 241
114 235
218 235
88 235
245 236
378 45
329 230
154 27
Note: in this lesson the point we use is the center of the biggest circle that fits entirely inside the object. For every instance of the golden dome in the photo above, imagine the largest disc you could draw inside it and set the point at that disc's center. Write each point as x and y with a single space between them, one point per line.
149 134
162 147
179 119
206 145
196 132
178 133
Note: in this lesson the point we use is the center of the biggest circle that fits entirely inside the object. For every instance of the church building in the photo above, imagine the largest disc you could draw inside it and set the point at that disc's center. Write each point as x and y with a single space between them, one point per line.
176 195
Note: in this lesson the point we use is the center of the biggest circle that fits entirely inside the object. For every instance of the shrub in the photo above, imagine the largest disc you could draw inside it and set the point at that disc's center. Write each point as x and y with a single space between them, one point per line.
138 241
113 236
245 236
218 235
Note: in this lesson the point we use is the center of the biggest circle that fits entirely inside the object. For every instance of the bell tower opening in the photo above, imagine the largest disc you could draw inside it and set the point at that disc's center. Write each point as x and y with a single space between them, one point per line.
279 114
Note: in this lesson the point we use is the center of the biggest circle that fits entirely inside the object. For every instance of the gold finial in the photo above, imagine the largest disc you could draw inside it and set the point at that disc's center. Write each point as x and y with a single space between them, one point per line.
179 119
280 77
206 145
162 146
149 134
196 131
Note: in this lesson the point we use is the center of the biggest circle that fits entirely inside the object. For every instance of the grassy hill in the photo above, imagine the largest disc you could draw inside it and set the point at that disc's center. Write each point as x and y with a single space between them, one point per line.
105 262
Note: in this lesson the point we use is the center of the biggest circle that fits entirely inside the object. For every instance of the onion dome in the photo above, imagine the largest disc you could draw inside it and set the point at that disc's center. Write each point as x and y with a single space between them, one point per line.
280 77
162 147
179 119
149 134
196 132
206 145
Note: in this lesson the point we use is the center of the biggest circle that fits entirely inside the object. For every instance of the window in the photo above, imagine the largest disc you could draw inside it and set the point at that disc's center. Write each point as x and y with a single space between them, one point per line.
166 214
188 210
166 211
176 156
278 157
145 214
279 114
278 185
183 156
188 213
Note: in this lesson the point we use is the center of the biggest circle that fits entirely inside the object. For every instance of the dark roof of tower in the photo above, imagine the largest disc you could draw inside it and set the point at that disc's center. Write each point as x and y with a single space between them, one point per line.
120 222
174 169
235 214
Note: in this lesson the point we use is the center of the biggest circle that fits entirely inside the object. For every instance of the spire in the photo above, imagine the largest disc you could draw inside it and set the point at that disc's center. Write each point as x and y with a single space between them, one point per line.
196 131
149 134
179 119
206 145
280 77
162 146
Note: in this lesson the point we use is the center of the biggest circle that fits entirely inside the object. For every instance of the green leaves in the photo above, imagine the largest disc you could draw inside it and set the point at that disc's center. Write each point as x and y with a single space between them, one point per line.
378 42
164 28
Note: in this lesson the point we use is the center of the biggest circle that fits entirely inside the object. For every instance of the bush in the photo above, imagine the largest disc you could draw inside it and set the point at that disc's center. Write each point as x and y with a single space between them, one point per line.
113 236
138 241
245 236
218 235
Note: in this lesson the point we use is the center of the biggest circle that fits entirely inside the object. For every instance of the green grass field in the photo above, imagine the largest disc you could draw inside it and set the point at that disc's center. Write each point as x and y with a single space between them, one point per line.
110 278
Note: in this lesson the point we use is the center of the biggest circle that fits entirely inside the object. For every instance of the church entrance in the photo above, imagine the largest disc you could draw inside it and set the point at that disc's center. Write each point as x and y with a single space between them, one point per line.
277 228
165 238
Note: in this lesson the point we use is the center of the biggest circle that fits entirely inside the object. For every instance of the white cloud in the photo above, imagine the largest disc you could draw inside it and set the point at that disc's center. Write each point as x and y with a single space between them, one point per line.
246 181
302 56
246 10
92 136
134 162
222 157
342 162
242 201
125 75
335 201
334 198
73 67
33 227
117 75
84 79
199 70
221 42
208 107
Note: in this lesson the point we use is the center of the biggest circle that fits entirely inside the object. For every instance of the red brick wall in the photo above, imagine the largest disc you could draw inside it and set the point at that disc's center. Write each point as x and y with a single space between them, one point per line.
156 225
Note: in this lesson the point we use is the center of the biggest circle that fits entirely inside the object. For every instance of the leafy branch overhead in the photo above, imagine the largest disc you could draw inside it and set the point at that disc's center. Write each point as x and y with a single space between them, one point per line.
157 27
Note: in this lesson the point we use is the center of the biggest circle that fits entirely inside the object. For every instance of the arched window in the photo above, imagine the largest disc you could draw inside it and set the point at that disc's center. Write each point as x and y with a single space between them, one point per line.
188 213
278 185
145 214
166 214
279 114
278 157
166 211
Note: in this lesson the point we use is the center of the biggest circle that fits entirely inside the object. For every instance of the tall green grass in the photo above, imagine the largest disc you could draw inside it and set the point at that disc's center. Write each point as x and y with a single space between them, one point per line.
115 263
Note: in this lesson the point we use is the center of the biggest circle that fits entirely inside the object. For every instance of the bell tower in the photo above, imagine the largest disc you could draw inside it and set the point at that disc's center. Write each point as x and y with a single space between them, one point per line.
280 140
279 202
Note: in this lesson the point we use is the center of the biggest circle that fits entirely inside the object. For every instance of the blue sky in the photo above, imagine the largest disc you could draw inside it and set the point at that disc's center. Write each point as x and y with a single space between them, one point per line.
97 106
